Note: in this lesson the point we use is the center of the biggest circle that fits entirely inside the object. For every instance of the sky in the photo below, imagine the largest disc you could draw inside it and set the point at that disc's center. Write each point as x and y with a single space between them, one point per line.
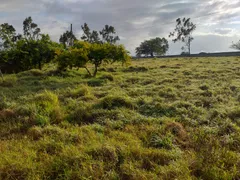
218 21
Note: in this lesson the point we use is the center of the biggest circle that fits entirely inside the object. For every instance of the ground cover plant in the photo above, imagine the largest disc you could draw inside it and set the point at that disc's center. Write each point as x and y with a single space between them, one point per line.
155 119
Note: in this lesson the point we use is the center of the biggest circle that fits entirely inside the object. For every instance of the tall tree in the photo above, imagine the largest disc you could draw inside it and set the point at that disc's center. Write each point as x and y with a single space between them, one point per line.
8 35
157 46
30 29
108 35
67 38
88 35
236 45
183 32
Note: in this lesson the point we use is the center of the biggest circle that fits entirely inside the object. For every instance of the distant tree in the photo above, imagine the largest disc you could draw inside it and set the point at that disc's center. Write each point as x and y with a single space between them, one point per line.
8 36
108 35
183 32
67 38
30 29
88 35
236 45
157 46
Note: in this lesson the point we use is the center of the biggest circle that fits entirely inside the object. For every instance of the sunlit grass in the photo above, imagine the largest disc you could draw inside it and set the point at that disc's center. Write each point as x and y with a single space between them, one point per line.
156 119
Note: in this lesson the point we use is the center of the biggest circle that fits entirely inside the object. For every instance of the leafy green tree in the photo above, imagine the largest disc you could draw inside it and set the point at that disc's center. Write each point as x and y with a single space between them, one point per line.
8 36
83 53
30 29
76 56
157 46
67 39
183 32
107 53
108 35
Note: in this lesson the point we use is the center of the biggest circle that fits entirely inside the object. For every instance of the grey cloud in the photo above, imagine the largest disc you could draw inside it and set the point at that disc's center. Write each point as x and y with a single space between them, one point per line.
55 16
223 30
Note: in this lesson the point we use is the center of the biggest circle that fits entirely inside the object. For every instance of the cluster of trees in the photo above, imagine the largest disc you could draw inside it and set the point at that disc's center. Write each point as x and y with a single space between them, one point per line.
25 51
82 53
32 49
159 46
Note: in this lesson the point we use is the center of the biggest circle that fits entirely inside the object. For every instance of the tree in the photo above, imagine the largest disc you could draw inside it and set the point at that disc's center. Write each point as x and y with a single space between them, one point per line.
183 32
88 36
67 39
83 53
108 35
157 46
30 29
8 35
236 45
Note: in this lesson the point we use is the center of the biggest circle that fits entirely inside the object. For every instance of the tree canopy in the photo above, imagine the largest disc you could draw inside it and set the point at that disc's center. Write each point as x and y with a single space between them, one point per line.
106 35
157 46
83 53
183 32
67 38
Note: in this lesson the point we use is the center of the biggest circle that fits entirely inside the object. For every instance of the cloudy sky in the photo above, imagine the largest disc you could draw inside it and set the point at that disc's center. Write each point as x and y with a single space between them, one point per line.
218 21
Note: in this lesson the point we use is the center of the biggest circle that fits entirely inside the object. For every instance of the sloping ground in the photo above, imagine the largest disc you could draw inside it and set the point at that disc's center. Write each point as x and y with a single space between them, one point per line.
158 119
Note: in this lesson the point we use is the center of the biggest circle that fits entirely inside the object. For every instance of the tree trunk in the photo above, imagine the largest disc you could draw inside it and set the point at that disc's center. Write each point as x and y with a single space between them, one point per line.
95 70
189 46
88 71
1 74
152 54
39 65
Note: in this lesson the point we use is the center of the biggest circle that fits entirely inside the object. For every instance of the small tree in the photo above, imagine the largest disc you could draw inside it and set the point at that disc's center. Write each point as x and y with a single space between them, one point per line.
157 46
183 32
83 53
236 46
106 53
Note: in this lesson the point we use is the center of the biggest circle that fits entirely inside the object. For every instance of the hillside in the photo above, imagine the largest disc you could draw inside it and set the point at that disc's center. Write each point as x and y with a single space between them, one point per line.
157 119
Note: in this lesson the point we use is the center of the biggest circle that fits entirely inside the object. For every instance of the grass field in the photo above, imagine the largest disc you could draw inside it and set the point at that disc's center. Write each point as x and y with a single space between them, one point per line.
157 119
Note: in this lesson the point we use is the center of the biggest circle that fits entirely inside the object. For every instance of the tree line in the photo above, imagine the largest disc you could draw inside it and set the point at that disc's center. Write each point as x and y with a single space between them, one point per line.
32 49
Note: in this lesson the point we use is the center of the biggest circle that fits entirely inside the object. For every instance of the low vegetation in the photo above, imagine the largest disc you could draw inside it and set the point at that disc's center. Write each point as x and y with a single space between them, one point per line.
156 119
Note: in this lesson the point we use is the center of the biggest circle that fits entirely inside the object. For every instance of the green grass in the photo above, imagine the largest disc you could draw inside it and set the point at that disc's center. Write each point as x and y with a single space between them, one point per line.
157 119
